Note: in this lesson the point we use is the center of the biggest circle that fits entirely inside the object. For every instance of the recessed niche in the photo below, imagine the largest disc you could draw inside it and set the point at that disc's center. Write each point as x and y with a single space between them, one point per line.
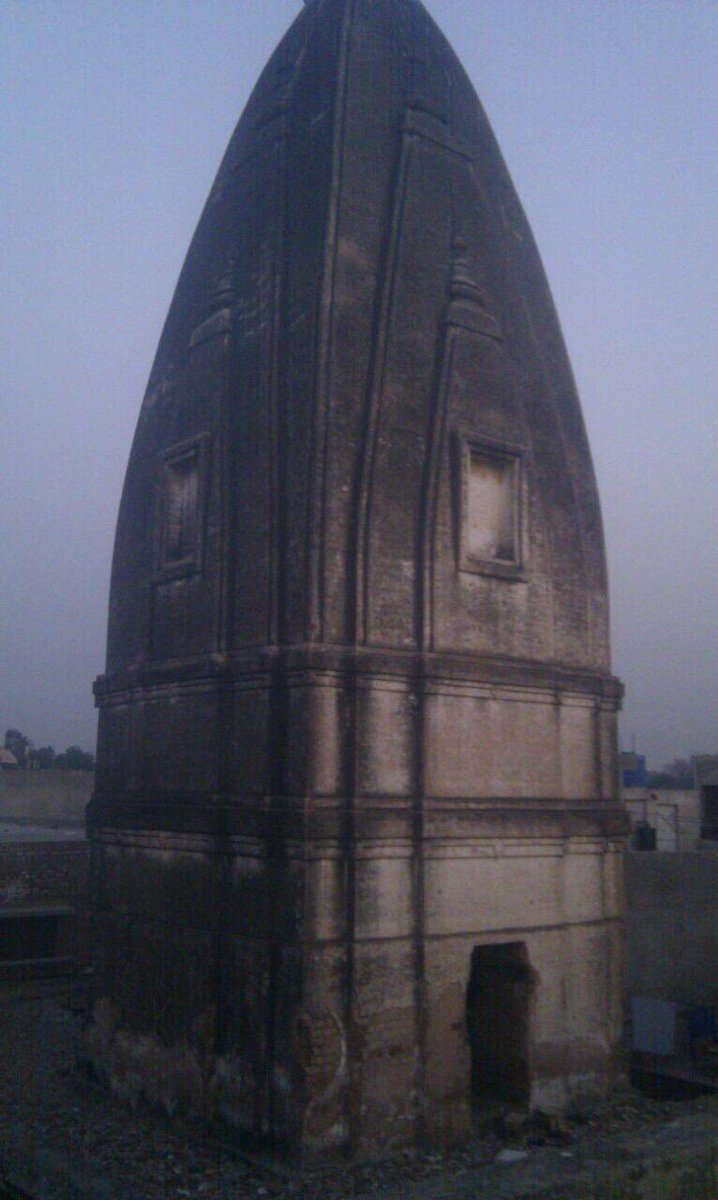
182 485
490 521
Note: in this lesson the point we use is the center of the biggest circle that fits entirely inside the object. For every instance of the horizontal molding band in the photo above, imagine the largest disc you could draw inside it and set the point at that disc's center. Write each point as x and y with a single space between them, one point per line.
267 666
273 821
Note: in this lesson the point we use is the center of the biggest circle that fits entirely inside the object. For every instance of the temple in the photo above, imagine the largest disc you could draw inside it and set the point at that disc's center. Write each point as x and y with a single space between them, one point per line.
357 847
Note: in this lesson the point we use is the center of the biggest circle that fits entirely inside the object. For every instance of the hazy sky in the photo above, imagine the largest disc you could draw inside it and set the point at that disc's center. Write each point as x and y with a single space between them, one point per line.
114 117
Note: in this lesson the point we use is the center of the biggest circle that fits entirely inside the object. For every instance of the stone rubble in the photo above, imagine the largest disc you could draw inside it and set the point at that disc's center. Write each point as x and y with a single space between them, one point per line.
64 1138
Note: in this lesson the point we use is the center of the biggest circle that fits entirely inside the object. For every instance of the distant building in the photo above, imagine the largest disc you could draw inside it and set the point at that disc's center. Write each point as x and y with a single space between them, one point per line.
8 760
663 818
634 771
705 767
674 819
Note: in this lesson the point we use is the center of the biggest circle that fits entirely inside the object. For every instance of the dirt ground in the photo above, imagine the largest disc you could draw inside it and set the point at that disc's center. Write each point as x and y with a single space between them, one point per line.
62 1138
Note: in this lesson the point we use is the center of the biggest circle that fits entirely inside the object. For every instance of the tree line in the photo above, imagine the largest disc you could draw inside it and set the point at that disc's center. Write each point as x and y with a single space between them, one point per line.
676 774
41 758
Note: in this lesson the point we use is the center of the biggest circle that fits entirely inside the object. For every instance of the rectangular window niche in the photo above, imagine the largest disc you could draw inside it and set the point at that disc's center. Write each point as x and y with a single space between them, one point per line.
492 506
183 472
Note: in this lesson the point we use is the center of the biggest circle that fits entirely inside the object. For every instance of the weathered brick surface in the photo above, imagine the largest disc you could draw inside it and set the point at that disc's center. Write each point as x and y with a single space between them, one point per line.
358 717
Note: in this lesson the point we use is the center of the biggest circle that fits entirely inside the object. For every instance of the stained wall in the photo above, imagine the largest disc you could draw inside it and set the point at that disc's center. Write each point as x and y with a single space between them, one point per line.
358 716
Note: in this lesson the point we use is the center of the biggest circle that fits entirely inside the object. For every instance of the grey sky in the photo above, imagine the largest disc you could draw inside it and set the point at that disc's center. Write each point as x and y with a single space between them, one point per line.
113 122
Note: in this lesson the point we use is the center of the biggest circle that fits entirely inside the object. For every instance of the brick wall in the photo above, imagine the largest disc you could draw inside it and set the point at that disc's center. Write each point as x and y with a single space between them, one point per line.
672 926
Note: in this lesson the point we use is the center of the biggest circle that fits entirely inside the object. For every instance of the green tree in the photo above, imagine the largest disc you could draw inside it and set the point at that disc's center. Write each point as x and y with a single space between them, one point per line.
17 744
75 759
42 758
677 774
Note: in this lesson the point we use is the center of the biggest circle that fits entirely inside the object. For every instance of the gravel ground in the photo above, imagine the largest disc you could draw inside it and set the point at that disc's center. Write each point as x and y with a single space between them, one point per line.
67 1139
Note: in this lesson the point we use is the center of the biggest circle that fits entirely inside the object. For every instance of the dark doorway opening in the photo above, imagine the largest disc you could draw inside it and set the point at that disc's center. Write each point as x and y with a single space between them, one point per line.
709 812
498 1000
